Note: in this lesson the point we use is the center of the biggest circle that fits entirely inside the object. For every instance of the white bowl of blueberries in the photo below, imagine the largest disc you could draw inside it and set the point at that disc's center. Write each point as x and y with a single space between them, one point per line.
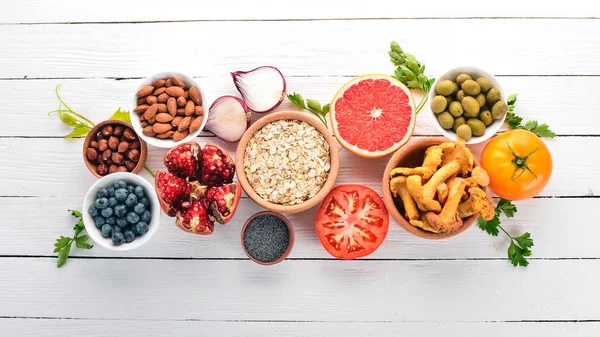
121 211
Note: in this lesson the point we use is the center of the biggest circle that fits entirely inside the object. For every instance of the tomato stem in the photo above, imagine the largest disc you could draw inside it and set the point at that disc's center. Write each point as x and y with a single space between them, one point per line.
520 163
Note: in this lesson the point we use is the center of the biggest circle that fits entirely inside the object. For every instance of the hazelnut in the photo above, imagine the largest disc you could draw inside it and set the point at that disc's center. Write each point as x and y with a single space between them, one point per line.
102 145
134 155
128 134
113 142
121 169
99 135
91 154
117 158
94 144
102 169
130 165
118 131
108 162
106 154
123 146
112 168
134 145
107 130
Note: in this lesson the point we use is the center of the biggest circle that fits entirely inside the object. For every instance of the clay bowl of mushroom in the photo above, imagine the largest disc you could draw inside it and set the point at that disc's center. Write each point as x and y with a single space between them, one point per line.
436 189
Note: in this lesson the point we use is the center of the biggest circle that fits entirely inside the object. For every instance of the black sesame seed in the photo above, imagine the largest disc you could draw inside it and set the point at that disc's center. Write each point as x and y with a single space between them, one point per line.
266 238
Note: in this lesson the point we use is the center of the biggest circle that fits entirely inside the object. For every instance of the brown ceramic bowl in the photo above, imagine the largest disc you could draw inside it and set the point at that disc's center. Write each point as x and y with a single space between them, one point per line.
288 250
411 155
92 136
333 152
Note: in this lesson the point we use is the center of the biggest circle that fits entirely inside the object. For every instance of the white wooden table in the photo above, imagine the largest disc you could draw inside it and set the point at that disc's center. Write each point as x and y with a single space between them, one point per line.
181 284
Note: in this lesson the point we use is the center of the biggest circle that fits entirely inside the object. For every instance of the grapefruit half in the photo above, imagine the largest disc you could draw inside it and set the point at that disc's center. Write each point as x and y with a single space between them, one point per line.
373 115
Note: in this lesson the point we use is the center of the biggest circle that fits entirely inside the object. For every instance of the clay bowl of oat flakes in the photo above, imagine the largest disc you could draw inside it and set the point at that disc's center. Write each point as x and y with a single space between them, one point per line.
287 162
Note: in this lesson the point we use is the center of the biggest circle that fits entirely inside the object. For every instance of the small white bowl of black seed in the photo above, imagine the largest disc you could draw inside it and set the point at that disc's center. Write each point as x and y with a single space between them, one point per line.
267 238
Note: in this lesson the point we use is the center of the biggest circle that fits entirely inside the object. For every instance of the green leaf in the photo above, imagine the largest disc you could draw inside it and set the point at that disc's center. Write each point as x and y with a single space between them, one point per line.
79 227
68 119
513 121
297 99
491 226
512 99
525 241
530 125
543 131
81 242
313 105
78 131
121 116
63 254
395 47
325 109
517 255
507 207
61 243
76 213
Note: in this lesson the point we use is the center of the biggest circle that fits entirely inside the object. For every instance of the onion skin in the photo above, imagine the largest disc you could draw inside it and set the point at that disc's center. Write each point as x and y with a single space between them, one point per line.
237 74
211 122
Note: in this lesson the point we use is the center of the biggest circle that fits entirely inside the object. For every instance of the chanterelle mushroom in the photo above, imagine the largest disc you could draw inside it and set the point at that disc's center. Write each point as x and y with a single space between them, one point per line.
423 223
479 202
479 176
399 190
423 194
423 172
433 157
459 152
449 220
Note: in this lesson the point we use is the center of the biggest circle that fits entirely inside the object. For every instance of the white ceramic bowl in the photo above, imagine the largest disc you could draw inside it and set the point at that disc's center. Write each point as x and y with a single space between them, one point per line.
168 143
475 73
90 225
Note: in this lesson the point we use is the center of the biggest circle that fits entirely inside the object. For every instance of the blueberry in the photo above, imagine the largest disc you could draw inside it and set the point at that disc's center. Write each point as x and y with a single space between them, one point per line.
112 201
107 230
100 221
117 229
107 212
130 188
133 218
139 191
140 228
111 191
121 194
93 211
122 222
102 193
101 203
139 208
120 210
120 184
146 217
145 201
129 236
118 238
111 220
131 200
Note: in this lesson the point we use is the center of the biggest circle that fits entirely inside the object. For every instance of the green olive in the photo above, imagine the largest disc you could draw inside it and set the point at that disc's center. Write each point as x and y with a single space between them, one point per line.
449 99
484 83
464 132
480 99
460 95
438 104
470 106
476 126
458 122
462 77
446 88
471 87
499 110
446 120
455 109
486 118
493 96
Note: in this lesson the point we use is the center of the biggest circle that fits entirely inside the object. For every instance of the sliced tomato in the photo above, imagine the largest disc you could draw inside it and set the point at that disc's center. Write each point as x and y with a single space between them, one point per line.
352 221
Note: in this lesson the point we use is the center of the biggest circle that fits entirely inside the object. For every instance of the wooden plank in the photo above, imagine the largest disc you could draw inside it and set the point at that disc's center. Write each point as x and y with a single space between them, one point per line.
348 291
97 98
130 50
54 167
32 225
125 328
13 11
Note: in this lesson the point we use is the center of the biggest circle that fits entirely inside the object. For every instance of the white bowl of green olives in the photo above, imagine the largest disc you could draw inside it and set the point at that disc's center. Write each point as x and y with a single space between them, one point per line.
467 103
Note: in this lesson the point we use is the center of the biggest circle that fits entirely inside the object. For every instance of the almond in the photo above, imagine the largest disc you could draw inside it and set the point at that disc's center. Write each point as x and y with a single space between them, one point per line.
176 120
162 98
172 106
184 124
145 124
195 96
181 101
181 112
186 94
141 100
178 82
148 131
141 108
174 91
162 108
189 108
195 125
150 112
145 91
179 135
168 82
161 127
158 83
164 118
152 120
165 135
151 100
198 110
159 91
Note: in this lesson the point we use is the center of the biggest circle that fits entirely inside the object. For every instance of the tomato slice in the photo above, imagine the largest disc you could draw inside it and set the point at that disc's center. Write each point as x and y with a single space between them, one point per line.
352 221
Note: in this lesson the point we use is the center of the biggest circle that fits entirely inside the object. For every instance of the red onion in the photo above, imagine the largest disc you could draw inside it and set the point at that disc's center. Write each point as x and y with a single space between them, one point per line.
228 118
262 88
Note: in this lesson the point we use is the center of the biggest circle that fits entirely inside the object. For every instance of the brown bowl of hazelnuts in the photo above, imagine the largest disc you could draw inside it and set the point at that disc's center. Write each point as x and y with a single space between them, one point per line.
112 146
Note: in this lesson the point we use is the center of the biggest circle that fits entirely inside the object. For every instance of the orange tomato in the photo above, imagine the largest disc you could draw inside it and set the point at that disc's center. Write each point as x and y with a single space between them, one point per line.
519 164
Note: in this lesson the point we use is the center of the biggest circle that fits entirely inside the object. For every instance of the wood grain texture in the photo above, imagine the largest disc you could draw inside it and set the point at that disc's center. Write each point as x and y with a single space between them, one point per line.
297 48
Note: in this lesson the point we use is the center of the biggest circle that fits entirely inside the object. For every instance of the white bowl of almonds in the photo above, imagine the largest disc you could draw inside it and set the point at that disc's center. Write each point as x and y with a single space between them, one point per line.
287 162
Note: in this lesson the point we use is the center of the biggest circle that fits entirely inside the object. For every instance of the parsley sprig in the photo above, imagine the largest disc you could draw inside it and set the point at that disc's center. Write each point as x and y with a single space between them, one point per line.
311 105
519 245
410 72
516 122
63 244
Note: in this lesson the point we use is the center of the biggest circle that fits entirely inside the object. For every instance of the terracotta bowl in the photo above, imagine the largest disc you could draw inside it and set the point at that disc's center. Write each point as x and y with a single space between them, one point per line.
334 155
92 136
411 155
287 251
